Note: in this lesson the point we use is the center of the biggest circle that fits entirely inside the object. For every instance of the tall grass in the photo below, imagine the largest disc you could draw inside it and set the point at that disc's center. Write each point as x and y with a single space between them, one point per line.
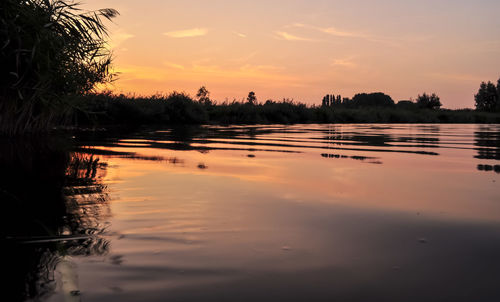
50 51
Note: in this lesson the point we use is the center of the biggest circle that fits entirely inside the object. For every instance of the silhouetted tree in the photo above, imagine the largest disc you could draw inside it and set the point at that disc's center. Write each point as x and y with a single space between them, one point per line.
339 99
203 96
377 99
251 99
487 97
428 101
498 90
324 101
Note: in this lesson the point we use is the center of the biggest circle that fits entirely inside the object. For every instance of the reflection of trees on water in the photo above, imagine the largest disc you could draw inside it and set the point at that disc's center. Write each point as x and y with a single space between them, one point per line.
487 143
487 146
54 204
374 136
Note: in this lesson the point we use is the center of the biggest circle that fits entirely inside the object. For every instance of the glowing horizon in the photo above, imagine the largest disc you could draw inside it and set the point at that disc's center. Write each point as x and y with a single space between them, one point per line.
303 50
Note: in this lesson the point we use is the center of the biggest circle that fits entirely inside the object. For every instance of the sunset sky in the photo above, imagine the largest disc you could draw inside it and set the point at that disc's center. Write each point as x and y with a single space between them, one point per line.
304 49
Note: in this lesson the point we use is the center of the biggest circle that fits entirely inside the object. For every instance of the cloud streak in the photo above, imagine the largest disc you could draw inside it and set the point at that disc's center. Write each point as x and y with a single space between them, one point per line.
241 35
187 33
118 38
289 37
333 31
391 41
173 65
346 62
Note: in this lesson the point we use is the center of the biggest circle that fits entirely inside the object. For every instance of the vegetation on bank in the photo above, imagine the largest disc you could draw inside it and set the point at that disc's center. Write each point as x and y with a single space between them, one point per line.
53 54
179 108
50 52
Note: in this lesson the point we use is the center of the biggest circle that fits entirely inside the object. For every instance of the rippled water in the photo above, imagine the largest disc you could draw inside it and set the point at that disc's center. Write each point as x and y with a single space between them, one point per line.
256 213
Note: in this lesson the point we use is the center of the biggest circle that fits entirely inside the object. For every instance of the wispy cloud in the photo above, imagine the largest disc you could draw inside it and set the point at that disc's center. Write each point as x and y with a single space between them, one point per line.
173 65
391 41
289 37
332 31
187 33
118 38
345 62
241 35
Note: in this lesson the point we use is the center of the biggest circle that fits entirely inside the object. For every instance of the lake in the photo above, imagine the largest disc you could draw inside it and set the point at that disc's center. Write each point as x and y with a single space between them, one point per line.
255 213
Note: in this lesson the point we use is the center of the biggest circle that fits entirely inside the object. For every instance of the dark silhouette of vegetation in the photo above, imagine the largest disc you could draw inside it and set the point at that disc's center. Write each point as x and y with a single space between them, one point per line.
331 100
251 99
498 90
429 101
180 108
488 97
203 96
406 105
50 51
377 99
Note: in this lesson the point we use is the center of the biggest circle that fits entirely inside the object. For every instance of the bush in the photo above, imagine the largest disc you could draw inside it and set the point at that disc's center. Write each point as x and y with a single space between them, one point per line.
429 101
377 99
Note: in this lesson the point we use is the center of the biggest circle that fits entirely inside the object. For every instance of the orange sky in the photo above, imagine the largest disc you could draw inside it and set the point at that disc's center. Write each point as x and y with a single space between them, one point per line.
305 49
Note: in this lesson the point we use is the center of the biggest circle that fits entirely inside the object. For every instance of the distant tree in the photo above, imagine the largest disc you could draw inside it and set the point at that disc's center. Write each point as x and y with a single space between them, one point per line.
251 99
203 96
498 94
326 101
431 101
377 99
487 97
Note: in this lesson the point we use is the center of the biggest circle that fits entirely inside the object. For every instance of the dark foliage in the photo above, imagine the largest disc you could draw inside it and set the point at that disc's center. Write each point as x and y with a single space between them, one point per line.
179 108
377 99
487 98
251 99
203 96
50 50
406 105
427 101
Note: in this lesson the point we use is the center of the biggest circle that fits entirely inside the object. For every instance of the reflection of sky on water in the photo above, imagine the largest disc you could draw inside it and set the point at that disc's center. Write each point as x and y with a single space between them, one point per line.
345 212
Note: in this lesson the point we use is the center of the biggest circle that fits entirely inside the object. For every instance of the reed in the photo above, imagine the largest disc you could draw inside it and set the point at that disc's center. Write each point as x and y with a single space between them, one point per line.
51 50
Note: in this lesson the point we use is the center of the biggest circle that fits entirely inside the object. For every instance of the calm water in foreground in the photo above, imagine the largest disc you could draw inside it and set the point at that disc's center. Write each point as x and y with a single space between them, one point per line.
260 213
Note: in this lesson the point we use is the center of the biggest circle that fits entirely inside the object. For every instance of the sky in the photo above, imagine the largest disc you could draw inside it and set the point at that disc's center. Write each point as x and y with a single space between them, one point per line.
304 49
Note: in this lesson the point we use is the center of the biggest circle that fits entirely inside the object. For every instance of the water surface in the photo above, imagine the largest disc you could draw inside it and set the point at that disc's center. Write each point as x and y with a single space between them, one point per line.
258 213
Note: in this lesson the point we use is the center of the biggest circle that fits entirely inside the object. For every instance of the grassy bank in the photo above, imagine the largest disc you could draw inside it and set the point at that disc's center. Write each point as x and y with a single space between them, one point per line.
178 108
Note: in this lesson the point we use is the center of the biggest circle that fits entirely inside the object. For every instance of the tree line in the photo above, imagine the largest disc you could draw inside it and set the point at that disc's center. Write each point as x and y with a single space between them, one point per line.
488 97
379 99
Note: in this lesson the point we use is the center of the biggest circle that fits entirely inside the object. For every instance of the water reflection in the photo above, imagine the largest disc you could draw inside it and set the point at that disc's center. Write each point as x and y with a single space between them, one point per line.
55 206
418 139
488 168
257 213
487 142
